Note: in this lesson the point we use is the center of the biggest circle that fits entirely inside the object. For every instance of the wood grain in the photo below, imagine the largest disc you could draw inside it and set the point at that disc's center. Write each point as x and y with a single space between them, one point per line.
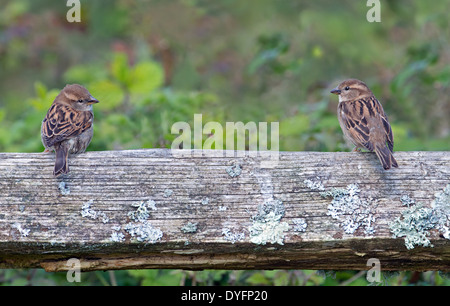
201 216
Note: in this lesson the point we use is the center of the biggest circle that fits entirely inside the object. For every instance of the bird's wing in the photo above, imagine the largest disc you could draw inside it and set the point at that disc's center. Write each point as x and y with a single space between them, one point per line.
63 122
357 115
387 130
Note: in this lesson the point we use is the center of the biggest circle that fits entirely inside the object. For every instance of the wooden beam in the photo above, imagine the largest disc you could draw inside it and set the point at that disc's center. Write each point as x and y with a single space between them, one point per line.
150 209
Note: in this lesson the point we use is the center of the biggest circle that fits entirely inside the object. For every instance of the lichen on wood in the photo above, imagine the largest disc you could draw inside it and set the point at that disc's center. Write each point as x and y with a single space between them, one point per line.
127 209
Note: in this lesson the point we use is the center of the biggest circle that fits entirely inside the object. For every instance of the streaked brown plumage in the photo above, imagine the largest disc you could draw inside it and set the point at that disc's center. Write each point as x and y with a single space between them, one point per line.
68 125
364 121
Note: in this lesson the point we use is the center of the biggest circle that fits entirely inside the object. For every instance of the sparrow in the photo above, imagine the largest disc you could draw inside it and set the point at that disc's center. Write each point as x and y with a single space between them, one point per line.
68 125
364 122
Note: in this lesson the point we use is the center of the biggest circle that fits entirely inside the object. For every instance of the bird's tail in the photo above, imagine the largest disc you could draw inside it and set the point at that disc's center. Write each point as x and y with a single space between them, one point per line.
386 158
61 162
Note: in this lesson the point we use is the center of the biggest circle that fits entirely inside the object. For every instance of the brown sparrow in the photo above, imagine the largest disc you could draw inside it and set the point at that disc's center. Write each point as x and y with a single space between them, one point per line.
364 122
68 125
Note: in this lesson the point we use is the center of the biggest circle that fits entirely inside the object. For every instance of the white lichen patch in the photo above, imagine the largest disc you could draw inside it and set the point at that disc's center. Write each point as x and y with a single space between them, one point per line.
63 188
140 227
406 200
144 232
441 211
234 170
142 211
189 228
267 226
168 193
88 212
232 237
117 237
205 201
23 231
352 211
317 185
414 226
417 220
300 224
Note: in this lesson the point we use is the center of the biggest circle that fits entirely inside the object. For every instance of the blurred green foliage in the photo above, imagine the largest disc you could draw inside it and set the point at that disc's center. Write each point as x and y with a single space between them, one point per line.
153 63
223 277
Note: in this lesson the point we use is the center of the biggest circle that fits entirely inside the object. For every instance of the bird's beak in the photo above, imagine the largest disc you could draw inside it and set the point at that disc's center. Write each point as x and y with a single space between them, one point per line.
92 100
336 91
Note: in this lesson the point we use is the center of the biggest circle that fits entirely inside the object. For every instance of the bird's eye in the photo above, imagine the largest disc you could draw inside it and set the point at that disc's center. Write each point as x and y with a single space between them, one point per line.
347 88
79 101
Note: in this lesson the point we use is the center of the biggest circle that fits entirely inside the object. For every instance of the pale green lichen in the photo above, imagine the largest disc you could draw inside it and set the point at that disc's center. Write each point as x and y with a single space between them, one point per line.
300 224
406 200
266 226
117 237
414 226
142 211
441 211
168 193
234 170
189 228
141 229
88 212
317 185
417 220
232 237
144 231
64 188
23 231
205 201
351 210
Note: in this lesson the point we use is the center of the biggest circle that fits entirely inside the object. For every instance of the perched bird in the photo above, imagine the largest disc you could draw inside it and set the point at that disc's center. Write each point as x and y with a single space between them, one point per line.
68 125
364 121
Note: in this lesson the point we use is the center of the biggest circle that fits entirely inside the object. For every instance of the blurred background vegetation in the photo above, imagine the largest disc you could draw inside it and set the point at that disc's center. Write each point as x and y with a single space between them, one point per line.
153 63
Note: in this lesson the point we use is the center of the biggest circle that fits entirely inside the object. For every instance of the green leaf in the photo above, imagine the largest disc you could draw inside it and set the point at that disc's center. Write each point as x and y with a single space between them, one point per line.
146 77
85 74
44 100
108 93
120 69
41 89
258 279
294 125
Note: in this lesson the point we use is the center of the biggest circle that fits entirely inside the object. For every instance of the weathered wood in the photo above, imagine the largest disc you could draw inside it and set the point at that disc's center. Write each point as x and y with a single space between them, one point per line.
200 212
